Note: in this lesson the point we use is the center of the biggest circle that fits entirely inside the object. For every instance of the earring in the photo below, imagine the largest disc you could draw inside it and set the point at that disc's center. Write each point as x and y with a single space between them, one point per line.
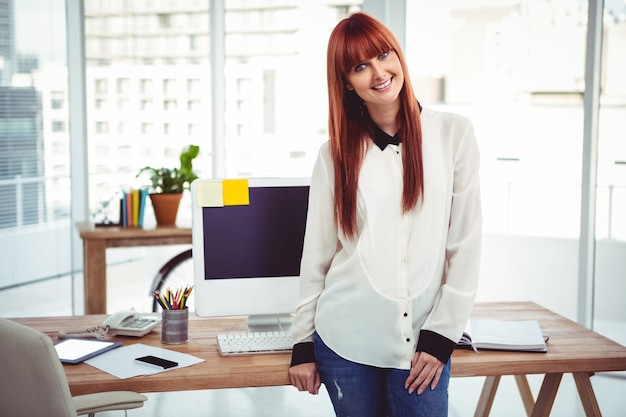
362 107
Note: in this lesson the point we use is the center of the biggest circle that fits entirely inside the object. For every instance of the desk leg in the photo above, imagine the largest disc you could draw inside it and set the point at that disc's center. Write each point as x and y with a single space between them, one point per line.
547 393
586 394
94 277
525 393
483 408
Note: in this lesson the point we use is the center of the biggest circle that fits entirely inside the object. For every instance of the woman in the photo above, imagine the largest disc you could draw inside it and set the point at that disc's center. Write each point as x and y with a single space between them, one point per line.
392 248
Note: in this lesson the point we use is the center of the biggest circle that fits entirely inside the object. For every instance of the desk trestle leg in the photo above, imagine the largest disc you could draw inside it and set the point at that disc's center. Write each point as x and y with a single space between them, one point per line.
525 393
586 394
483 408
547 394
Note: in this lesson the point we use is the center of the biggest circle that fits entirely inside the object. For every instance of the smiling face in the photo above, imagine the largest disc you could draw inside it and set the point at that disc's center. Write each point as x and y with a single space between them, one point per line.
378 81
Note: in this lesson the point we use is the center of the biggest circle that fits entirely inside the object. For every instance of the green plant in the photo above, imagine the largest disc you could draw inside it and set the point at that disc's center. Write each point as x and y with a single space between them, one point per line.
174 180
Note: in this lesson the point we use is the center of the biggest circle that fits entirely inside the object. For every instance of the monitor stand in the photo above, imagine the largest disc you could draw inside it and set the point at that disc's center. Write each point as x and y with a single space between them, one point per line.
269 322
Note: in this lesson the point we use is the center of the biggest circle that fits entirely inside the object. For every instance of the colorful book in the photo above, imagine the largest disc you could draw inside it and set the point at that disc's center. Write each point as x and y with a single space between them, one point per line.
143 195
123 216
135 206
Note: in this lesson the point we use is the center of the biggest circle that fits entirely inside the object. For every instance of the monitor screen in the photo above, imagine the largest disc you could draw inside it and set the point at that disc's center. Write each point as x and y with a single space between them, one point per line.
247 246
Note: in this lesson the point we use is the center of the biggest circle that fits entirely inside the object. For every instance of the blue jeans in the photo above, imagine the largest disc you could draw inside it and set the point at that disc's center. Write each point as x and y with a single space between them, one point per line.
366 391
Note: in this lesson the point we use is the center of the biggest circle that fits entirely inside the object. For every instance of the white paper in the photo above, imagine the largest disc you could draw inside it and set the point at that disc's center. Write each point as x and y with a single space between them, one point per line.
121 363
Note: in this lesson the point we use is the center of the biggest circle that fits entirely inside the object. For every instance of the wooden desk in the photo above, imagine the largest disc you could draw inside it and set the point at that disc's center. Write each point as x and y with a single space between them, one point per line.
571 349
97 239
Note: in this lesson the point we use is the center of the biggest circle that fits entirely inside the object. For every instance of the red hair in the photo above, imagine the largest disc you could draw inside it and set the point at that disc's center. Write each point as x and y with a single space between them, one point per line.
356 39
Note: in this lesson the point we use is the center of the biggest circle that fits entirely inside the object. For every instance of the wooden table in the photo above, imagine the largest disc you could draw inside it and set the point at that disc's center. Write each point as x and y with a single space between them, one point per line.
97 239
571 349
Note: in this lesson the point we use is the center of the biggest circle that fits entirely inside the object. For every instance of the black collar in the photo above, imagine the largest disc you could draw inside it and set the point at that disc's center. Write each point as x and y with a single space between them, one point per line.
382 139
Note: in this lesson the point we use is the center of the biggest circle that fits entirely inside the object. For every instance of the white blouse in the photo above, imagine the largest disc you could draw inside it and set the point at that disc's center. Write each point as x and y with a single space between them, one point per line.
369 297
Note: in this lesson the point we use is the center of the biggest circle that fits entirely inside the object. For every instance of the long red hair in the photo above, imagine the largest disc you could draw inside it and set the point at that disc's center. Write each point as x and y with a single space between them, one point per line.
356 39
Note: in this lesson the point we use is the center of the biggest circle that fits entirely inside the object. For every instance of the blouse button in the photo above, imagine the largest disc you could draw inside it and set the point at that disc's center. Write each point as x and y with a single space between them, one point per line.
406 314
408 340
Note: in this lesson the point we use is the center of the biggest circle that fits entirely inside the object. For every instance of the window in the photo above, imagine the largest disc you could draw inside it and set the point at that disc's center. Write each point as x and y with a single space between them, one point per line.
193 105
483 59
193 86
101 86
123 104
496 64
56 103
58 126
146 87
610 222
169 86
57 100
193 129
123 127
165 20
147 104
34 147
169 105
193 42
123 85
147 128
102 127
264 47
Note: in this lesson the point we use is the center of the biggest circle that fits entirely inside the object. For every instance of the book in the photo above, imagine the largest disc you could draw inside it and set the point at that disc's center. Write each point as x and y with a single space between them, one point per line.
143 194
494 334
129 209
134 206
123 213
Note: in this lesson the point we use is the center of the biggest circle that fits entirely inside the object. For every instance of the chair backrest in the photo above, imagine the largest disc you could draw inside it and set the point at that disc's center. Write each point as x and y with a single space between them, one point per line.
32 380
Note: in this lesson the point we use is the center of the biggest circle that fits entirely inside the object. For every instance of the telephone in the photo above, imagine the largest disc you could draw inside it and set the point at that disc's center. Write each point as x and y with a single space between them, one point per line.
130 323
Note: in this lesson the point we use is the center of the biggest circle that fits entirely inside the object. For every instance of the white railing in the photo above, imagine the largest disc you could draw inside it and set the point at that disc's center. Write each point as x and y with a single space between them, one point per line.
47 209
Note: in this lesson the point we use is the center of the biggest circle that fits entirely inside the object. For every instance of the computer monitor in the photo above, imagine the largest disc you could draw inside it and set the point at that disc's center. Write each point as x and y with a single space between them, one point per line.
247 246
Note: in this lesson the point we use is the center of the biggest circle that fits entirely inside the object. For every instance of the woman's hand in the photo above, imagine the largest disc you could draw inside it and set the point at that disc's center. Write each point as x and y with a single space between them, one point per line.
425 370
305 377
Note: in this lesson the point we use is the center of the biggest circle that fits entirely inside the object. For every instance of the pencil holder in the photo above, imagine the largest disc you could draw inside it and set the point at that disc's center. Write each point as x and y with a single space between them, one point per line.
175 326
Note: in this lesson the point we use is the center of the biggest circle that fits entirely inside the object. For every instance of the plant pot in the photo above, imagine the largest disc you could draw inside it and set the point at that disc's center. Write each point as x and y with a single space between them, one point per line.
166 208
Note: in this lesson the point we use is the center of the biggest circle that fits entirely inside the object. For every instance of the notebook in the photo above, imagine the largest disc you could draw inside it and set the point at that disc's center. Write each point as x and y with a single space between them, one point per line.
494 334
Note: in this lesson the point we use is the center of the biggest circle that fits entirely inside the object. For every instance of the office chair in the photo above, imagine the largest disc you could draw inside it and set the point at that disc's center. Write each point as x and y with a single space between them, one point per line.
33 383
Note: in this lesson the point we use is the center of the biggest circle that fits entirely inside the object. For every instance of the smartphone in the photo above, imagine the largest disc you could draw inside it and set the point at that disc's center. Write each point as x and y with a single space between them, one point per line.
159 363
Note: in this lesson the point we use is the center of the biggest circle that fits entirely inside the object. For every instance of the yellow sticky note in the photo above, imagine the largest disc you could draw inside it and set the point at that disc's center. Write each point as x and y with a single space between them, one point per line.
210 194
236 192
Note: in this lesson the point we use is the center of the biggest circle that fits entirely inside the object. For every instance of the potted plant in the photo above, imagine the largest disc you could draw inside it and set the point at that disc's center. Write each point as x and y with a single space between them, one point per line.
168 185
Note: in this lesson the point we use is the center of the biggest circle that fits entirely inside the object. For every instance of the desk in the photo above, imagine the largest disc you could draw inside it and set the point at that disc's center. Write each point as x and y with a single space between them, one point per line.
97 239
571 349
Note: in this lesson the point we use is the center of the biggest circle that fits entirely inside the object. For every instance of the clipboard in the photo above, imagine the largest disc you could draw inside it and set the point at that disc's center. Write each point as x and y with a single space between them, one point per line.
76 350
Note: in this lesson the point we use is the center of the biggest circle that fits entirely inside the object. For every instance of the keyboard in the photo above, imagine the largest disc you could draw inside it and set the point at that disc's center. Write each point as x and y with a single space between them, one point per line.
251 343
